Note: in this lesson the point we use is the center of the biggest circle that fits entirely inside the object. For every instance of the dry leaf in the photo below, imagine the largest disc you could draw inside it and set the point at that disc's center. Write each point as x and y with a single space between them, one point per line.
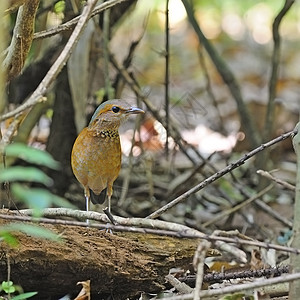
85 293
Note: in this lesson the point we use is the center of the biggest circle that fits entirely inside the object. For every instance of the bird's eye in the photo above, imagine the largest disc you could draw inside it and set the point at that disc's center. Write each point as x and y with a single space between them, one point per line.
115 109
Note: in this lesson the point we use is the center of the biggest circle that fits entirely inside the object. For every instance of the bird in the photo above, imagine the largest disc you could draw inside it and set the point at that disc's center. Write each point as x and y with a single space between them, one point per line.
96 154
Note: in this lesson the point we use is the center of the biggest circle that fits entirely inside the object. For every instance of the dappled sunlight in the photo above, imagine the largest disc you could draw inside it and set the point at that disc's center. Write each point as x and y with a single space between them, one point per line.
176 13
233 25
209 22
209 141
259 21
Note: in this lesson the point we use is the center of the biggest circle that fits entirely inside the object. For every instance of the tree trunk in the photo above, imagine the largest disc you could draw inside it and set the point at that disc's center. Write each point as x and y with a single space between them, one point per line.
62 133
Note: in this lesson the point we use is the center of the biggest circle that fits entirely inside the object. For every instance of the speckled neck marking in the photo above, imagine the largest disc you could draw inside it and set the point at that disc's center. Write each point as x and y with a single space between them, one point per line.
112 134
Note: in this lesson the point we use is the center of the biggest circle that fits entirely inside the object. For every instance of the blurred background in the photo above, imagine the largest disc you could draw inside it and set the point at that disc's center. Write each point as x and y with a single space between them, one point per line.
216 103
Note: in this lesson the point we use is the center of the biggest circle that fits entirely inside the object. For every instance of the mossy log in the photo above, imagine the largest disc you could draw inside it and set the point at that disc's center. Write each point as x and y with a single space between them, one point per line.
120 264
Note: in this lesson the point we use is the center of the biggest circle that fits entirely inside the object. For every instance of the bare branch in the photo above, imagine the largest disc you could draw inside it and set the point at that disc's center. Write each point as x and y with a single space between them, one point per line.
219 174
9 133
3 45
226 74
237 207
37 95
167 75
71 24
21 40
140 225
217 277
275 61
277 180
199 264
174 131
275 67
241 287
181 287
295 259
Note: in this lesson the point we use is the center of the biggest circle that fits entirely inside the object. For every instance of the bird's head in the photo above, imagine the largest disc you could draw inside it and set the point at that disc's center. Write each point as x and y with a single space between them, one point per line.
110 114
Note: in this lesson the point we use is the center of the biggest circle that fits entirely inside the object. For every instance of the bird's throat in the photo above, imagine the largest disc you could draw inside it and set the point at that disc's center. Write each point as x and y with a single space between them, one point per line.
107 134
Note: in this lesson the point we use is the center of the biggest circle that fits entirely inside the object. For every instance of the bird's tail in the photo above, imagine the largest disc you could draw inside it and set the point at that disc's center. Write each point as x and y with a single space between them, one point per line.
98 199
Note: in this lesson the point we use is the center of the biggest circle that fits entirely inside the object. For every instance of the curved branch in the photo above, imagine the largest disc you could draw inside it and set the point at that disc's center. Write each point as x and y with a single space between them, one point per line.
227 76
21 40
275 66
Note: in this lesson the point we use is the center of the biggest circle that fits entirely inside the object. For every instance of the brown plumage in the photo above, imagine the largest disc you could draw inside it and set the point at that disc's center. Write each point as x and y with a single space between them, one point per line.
96 155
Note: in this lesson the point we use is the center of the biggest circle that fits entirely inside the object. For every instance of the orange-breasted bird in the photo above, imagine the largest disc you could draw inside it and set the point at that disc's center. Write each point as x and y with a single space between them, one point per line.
96 155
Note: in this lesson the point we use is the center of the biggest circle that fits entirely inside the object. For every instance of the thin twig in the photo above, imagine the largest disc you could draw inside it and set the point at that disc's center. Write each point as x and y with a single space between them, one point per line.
37 95
173 130
71 24
238 207
273 213
167 80
265 207
3 43
241 287
229 275
295 259
180 287
8 267
269 120
221 173
10 131
277 180
199 263
128 170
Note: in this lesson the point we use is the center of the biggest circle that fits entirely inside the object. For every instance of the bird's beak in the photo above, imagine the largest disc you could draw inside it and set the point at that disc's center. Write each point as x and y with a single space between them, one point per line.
134 111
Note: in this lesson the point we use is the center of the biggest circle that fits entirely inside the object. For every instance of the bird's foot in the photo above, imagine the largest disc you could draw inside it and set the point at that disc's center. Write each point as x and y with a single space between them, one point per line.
111 219
110 216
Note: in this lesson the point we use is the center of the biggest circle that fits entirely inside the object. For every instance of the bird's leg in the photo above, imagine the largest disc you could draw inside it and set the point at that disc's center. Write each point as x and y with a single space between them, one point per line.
107 211
109 192
109 203
87 202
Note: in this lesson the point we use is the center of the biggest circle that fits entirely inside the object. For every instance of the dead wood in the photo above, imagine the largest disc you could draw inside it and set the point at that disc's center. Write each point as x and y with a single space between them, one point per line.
120 264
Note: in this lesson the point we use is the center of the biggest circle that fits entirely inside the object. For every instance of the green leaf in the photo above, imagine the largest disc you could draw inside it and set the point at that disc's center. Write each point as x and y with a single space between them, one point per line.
8 287
24 296
37 198
29 174
59 7
32 230
34 198
10 239
31 155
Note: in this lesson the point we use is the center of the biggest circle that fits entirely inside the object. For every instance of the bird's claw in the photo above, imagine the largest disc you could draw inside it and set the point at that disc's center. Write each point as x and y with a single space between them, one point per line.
109 216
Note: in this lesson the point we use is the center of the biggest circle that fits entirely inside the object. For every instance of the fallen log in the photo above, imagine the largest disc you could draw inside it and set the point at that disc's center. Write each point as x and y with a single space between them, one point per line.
120 265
